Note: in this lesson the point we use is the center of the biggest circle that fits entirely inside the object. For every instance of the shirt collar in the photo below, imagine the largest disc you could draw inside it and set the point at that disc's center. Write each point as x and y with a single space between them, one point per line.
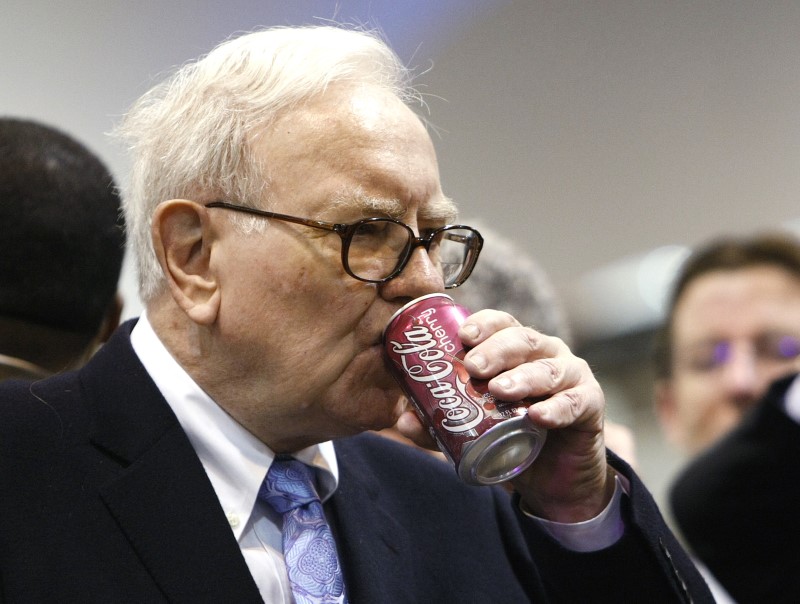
234 459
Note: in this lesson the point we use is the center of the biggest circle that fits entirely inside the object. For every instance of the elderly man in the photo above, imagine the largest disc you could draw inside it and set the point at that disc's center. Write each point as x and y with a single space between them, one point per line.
285 202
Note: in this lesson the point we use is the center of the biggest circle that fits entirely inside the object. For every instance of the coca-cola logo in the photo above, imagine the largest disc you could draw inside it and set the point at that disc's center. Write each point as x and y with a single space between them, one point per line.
425 358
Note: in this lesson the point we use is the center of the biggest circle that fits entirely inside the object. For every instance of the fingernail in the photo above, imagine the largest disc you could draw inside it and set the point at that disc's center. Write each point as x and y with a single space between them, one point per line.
478 360
471 330
504 382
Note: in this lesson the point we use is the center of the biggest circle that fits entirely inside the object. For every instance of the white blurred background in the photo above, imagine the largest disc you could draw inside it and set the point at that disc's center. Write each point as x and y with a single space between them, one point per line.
604 138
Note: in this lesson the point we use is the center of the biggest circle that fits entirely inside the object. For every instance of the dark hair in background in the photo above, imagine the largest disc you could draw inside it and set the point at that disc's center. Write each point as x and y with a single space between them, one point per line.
62 240
778 249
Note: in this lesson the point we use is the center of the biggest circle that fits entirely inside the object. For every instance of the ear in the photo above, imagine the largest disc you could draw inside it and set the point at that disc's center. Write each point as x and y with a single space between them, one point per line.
667 409
183 239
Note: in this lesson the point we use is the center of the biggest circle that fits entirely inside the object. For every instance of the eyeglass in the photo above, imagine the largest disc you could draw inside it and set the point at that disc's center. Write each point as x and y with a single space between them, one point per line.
376 250
768 347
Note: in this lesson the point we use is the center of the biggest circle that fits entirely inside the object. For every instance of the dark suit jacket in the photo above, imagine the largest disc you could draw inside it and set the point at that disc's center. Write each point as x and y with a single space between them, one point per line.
738 505
104 500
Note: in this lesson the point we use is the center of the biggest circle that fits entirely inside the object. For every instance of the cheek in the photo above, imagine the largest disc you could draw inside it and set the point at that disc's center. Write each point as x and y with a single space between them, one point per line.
300 300
317 319
293 293
292 280
266 306
365 396
777 371
321 284
708 411
695 397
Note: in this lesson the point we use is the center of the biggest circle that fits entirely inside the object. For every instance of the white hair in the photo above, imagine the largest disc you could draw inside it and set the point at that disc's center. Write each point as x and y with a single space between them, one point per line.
191 136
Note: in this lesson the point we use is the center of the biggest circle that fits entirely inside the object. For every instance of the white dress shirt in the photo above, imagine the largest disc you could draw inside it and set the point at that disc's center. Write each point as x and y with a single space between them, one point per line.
236 463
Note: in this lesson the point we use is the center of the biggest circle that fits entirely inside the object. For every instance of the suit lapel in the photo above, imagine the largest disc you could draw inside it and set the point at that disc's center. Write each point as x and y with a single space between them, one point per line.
376 549
162 499
178 528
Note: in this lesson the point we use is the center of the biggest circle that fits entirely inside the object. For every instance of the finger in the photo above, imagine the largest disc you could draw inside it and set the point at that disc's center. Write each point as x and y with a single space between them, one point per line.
510 347
579 408
539 378
483 324
410 426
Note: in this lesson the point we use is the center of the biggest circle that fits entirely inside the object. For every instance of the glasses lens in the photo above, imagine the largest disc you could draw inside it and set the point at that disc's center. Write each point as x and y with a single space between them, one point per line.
779 347
452 251
769 348
377 247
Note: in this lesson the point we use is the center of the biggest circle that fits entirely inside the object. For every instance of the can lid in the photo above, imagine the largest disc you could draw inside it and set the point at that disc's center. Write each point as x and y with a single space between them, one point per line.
502 452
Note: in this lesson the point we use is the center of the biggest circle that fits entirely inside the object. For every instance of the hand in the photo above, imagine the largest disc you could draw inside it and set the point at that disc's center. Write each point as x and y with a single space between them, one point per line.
570 480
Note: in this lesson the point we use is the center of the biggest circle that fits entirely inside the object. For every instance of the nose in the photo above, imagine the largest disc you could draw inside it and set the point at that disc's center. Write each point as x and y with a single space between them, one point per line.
743 377
418 278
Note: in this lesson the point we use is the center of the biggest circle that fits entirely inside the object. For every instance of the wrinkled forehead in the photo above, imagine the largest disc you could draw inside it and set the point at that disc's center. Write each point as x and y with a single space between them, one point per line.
358 147
436 209
742 303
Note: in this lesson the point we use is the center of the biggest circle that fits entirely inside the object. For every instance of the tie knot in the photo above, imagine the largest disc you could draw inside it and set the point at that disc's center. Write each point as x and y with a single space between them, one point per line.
289 484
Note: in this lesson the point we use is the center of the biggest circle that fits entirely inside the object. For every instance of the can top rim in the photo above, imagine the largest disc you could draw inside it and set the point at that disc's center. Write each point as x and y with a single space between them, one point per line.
413 302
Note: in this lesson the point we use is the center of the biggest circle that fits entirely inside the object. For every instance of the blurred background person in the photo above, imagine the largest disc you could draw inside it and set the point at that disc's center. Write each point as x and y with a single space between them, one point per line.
507 279
732 327
61 251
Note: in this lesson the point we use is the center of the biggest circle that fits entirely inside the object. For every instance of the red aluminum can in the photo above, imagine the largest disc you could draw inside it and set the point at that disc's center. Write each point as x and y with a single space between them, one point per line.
487 440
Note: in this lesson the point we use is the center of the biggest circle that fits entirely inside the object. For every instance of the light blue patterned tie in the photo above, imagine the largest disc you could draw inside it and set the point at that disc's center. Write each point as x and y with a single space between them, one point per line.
308 546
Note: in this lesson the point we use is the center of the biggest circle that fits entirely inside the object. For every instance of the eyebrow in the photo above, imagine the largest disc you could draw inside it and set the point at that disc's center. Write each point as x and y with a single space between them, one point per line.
442 209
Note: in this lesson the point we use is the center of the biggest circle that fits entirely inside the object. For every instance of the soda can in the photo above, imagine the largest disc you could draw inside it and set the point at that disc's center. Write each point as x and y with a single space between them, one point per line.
487 440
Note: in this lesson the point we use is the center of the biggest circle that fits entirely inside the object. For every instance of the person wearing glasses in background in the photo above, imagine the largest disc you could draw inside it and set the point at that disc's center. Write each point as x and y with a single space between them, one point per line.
61 251
284 202
732 330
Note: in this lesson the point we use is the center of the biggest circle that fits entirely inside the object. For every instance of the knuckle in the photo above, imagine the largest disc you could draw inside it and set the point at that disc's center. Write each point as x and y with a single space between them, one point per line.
508 319
574 403
533 339
553 370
